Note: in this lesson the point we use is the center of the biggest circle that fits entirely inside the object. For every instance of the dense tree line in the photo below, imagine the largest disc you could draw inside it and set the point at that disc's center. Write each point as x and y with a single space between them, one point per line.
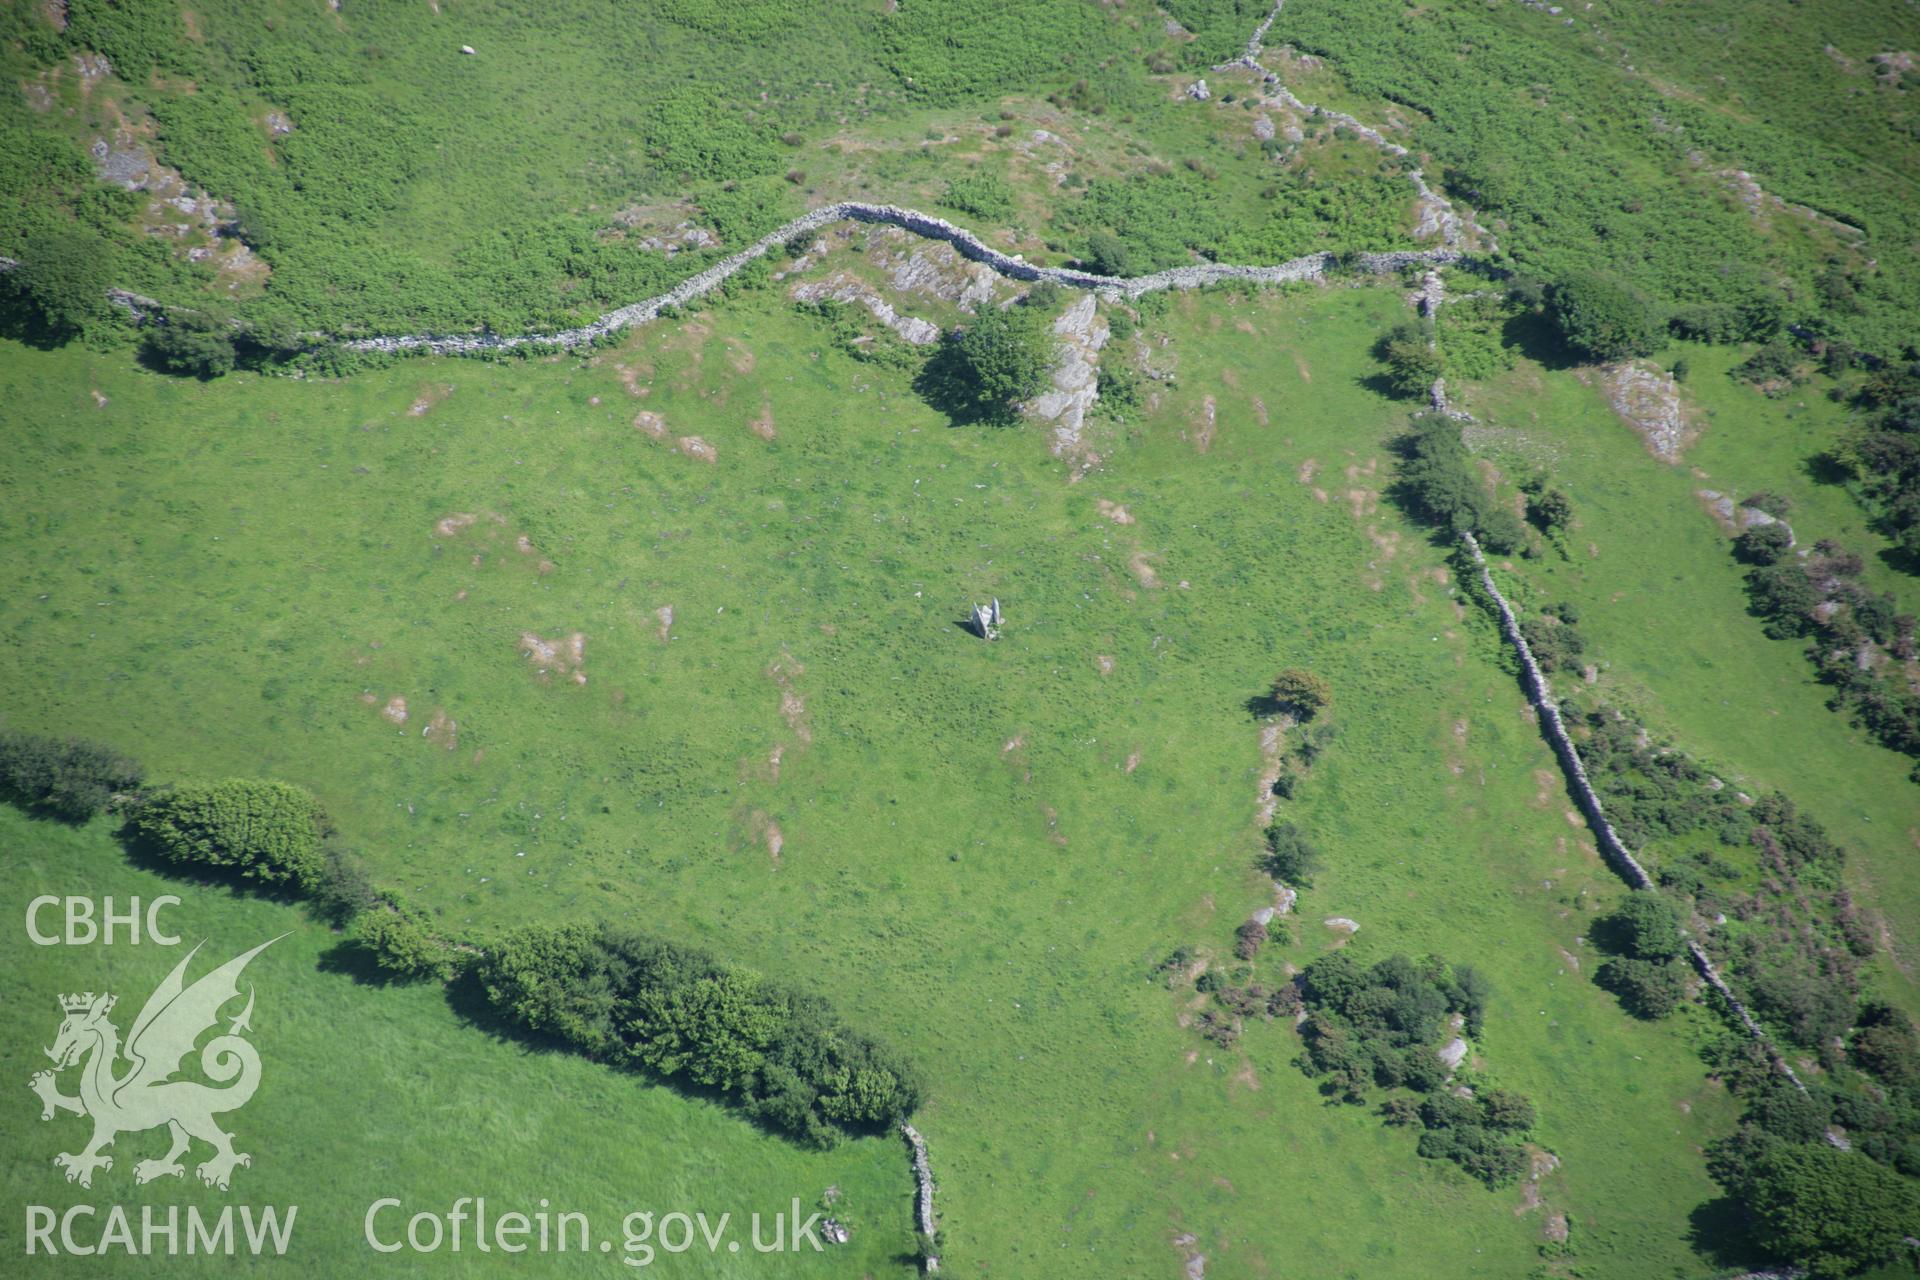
66 777
618 995
614 994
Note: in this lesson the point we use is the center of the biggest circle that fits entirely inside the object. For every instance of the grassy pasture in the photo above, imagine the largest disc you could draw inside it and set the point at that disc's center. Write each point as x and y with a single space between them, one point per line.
371 1091
214 576
1663 604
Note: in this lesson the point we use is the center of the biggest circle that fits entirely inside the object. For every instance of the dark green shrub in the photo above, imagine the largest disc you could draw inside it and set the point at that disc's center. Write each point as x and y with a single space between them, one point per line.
1834 1212
1645 926
681 1014
1413 359
1885 1043
1291 857
1108 255
343 888
1602 319
196 344
1647 988
1785 595
986 195
1556 644
67 778
64 274
256 830
1300 693
402 945
1763 543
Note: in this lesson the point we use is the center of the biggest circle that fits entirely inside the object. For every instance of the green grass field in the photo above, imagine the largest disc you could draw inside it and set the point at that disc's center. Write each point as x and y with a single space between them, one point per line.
982 849
1663 602
370 1092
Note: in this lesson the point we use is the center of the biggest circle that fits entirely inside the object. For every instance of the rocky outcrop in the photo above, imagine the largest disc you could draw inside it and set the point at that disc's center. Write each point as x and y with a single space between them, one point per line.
1647 398
845 288
1076 376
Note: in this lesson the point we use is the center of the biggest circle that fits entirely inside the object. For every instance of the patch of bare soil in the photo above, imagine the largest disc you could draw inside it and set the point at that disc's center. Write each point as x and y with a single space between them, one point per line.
649 423
487 529
1205 424
1103 663
762 424
1539 1164
99 400
793 708
695 447
1308 469
1138 563
664 615
635 379
1260 411
766 832
443 729
428 397
1133 761
396 710
562 656
1114 511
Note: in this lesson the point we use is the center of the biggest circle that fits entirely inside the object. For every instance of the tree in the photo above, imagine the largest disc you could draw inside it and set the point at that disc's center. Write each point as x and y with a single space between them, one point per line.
1647 988
1301 693
1413 359
258 830
1834 1212
69 778
1602 319
1291 857
1108 255
193 344
64 273
1763 543
1646 926
1006 355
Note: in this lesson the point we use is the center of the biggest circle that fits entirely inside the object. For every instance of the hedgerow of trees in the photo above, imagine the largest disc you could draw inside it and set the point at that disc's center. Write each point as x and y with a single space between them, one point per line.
782 1055
622 997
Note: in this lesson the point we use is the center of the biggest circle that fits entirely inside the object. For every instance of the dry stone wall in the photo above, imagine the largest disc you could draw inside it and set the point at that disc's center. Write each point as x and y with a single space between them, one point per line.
1540 694
1313 266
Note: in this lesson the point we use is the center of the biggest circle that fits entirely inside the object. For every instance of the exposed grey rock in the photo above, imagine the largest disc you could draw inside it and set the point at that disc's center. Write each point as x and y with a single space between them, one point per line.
1453 1054
1198 91
844 288
1263 127
1648 399
1076 375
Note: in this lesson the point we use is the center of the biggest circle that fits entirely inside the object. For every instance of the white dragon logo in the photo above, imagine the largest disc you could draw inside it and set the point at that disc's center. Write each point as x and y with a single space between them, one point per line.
147 1095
